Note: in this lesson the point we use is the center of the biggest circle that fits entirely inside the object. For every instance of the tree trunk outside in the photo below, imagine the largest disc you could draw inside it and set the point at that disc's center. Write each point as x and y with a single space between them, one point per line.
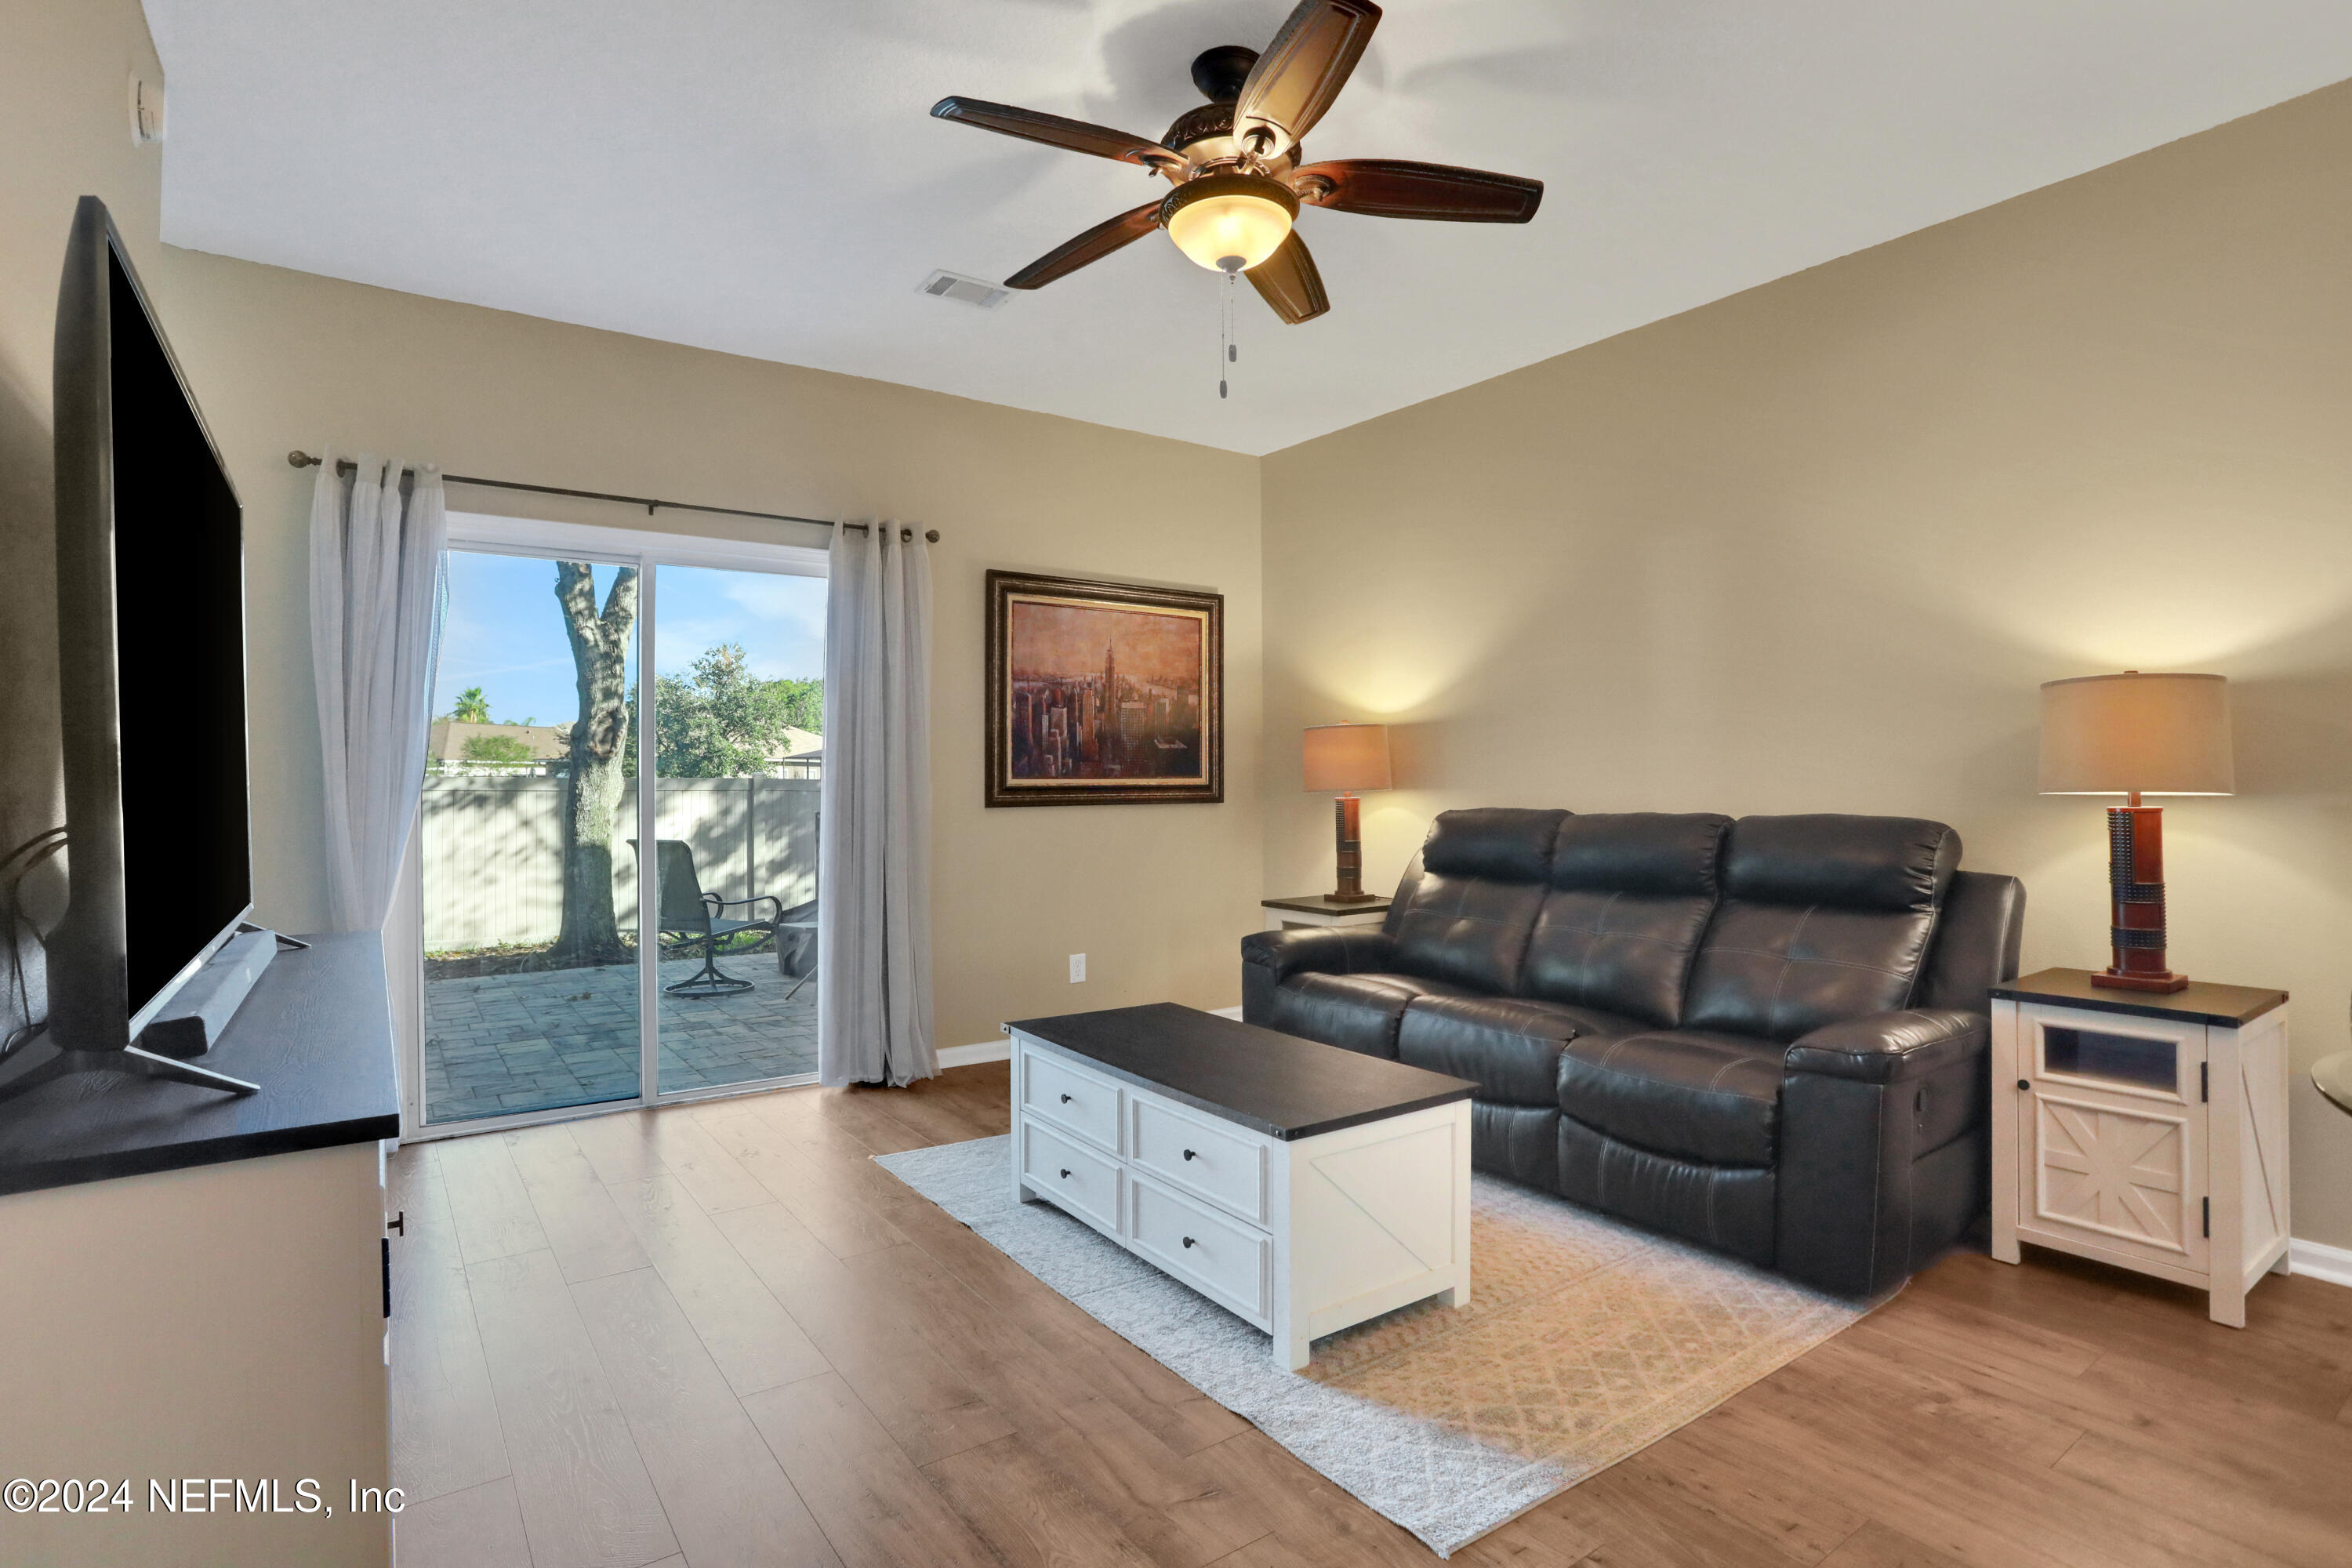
592 792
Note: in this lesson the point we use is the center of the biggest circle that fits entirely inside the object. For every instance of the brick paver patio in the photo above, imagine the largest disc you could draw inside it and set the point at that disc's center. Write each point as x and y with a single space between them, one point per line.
497 1044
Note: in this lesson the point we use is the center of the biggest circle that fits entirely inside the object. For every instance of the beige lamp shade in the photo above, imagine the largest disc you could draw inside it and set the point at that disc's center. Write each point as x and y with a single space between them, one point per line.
1347 757
2158 734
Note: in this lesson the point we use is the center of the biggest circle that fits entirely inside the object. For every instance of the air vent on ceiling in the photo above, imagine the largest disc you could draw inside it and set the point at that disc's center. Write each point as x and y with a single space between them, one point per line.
967 290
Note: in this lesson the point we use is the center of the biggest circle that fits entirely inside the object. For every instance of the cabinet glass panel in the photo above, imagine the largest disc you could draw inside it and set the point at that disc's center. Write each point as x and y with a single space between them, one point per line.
2133 1060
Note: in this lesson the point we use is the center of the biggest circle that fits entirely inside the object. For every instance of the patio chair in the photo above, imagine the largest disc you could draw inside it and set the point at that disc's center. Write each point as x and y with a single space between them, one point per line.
683 909
796 946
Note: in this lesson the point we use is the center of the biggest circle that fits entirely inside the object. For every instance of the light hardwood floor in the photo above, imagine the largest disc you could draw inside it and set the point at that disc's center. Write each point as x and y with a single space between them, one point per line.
719 1334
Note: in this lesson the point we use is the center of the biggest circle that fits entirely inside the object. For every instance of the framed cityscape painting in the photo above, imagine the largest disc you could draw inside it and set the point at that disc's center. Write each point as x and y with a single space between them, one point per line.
1103 693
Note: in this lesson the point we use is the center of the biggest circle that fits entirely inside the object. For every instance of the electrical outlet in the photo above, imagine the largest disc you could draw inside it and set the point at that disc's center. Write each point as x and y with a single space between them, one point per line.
1078 967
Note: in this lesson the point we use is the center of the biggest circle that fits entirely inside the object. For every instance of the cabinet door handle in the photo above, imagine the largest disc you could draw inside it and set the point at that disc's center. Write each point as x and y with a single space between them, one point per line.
1192 1154
1066 1176
1066 1099
1190 1242
2024 1084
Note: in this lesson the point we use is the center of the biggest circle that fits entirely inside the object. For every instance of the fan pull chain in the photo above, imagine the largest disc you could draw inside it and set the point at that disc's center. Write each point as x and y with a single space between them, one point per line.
1228 350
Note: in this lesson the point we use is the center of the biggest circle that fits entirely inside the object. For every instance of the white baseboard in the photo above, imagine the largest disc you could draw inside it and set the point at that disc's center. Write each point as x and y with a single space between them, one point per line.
972 1056
2321 1261
1000 1050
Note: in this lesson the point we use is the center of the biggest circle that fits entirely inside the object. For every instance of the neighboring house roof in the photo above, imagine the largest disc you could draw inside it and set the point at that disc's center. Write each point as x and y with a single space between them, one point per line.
447 740
799 746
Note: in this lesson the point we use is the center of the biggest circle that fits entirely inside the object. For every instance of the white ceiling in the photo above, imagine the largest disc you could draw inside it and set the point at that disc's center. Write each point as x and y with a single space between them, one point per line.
760 176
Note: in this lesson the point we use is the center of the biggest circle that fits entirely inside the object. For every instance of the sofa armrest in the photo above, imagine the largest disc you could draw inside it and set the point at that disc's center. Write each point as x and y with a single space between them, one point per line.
1321 950
1889 1048
1884 1126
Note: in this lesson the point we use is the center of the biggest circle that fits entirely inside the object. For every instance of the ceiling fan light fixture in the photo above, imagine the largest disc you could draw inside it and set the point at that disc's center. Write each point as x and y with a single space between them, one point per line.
1229 222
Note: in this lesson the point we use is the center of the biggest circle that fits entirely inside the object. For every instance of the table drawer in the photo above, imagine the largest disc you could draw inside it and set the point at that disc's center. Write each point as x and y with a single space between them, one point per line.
1216 1255
1071 1097
1197 1156
1072 1175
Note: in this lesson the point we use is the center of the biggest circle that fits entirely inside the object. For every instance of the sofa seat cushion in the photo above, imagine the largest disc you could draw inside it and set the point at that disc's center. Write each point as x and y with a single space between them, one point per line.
1509 1046
1359 1012
1689 1093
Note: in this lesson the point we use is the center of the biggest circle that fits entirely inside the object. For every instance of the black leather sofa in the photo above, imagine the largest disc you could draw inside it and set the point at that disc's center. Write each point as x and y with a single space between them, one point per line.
1768 1035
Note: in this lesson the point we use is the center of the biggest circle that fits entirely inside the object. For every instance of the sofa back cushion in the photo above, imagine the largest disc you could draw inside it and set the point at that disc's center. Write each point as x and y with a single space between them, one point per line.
1465 907
1629 899
1822 918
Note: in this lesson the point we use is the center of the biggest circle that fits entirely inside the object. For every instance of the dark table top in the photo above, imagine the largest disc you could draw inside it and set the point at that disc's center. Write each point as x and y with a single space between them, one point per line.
1279 1085
2226 1006
315 1034
1325 904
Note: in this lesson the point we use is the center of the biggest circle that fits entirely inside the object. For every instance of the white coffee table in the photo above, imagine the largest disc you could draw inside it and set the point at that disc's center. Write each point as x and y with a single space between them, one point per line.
1303 1187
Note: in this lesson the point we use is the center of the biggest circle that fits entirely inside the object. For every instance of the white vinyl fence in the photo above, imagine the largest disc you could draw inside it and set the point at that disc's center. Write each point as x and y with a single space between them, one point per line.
494 851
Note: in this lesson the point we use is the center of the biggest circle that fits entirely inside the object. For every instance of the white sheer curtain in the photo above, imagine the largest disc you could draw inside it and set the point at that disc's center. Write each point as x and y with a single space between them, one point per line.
874 854
377 579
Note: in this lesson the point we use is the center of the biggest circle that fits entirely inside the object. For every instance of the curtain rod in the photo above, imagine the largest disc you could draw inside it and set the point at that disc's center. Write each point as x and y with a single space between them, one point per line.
301 460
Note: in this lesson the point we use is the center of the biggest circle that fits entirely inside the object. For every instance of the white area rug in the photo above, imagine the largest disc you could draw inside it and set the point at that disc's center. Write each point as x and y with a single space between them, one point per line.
1585 1341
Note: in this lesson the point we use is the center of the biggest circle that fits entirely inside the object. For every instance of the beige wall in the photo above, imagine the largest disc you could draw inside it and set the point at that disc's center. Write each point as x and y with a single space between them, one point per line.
65 131
1157 895
1812 548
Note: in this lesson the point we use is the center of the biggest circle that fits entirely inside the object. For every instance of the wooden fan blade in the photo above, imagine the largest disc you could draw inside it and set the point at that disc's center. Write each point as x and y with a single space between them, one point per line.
1288 281
1301 72
1054 131
1392 187
1092 246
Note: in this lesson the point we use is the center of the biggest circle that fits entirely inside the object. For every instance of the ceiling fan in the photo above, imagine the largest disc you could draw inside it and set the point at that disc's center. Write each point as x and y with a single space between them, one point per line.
1235 164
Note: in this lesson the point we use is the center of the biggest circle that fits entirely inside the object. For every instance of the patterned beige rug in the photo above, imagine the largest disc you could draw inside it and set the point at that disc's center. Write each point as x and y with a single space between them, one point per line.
1585 1341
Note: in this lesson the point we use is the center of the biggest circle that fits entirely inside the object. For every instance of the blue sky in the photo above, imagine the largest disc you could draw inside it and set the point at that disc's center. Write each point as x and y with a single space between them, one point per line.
505 633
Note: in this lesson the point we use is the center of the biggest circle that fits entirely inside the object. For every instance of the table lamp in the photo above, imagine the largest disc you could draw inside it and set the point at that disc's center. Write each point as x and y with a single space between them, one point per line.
1347 758
2134 734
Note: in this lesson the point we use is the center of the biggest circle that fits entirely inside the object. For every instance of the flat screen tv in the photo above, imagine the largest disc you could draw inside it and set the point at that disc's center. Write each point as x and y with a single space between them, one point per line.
151 631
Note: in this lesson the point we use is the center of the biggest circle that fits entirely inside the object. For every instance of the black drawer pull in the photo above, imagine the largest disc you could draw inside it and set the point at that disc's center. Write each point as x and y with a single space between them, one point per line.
1192 1154
400 1223
1066 1176
1190 1242
1066 1099
2023 1085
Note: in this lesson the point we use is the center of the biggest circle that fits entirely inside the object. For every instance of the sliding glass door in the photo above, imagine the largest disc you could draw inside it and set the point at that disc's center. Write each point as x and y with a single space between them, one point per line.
738 705
531 965
617 877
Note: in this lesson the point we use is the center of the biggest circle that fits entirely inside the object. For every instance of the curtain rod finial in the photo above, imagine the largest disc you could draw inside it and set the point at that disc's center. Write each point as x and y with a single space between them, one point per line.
298 458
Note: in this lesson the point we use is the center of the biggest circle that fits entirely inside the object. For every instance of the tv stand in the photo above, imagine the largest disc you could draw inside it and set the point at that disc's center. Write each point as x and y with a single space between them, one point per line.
129 1061
205 1280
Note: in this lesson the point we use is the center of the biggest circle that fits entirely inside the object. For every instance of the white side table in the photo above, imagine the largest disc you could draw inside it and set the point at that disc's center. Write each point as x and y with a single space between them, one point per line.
1319 910
2142 1129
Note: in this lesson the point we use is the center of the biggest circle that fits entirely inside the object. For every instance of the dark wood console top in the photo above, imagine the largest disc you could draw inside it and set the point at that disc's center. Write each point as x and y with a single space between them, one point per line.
2227 1006
315 1034
1324 904
1276 1084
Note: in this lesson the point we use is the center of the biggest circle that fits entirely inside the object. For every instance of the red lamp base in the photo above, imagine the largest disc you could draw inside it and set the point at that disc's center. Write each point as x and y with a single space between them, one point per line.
2117 980
1350 889
2135 883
